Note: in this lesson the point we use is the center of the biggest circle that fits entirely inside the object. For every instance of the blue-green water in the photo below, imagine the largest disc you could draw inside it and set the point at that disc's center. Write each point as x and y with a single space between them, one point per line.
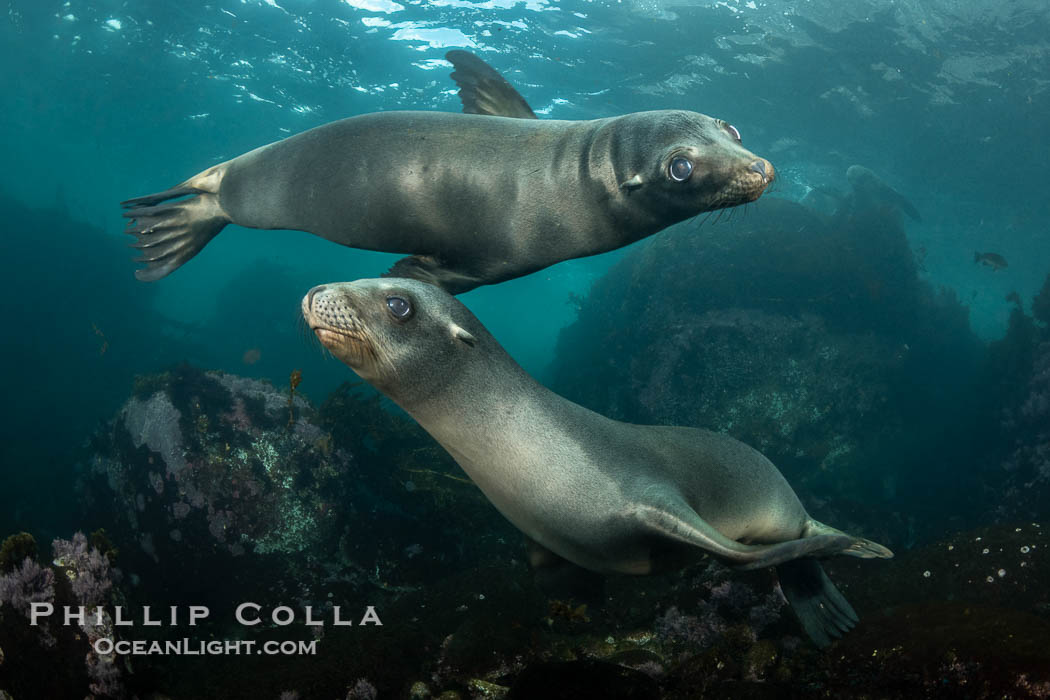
947 101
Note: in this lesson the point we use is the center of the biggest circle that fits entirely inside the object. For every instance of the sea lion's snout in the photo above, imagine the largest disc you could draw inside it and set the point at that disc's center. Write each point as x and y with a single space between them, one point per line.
333 314
309 298
764 168
328 309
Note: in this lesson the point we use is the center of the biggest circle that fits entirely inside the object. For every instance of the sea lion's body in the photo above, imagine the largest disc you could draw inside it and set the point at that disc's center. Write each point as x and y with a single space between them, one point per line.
601 494
473 199
492 197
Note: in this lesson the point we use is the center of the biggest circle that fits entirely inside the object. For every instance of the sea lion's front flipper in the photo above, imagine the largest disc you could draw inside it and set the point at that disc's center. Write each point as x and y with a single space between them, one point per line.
483 90
905 205
426 268
675 520
822 610
560 579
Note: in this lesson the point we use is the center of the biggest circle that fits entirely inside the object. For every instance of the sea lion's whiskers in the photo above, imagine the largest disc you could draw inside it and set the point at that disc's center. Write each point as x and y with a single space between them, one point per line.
693 223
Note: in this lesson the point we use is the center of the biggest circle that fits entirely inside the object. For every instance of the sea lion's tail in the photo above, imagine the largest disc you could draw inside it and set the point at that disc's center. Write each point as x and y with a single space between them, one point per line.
170 233
822 610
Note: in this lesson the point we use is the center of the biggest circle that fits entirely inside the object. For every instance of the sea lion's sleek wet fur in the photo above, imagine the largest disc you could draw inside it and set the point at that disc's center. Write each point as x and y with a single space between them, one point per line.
604 495
473 199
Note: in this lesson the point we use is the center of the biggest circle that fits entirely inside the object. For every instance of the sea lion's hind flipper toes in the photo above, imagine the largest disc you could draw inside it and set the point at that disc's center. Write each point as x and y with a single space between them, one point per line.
169 234
866 549
678 522
157 197
858 546
822 610
483 90
426 268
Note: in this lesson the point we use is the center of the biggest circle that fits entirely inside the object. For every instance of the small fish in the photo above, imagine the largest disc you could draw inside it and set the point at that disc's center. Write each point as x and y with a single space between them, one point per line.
992 260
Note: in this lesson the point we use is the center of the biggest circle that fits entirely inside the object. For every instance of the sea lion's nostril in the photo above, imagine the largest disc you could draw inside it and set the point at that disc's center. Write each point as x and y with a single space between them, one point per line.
759 166
311 293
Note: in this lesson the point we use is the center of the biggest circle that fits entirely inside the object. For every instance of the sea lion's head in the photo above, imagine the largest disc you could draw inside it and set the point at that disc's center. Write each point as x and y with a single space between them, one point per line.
407 338
683 163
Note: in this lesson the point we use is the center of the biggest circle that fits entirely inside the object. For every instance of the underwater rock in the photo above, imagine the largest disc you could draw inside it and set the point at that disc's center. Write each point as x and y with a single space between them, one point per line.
206 480
210 452
1015 381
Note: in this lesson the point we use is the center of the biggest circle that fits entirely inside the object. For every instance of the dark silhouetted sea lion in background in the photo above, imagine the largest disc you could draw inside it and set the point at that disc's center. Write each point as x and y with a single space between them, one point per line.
601 494
472 199
867 191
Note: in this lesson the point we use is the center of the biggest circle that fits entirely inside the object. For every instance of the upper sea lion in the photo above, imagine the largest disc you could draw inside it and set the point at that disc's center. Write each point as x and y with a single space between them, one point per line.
472 199
601 494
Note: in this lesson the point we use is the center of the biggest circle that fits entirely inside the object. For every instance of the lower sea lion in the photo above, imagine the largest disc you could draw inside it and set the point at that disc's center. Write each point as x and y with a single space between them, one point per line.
472 199
601 494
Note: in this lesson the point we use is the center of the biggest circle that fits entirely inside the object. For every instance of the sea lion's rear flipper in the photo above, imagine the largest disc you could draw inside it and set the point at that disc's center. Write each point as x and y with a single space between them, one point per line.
676 521
560 579
858 546
170 233
822 610
426 268
483 90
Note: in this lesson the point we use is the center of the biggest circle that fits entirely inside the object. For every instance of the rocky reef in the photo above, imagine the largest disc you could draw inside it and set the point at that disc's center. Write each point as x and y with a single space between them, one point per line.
1016 381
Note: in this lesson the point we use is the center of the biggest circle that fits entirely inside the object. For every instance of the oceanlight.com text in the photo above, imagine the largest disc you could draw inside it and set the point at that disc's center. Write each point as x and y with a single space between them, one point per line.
190 647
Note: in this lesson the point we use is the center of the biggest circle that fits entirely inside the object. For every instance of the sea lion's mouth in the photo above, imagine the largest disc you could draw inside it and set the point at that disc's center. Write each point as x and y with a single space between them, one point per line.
747 186
339 328
352 347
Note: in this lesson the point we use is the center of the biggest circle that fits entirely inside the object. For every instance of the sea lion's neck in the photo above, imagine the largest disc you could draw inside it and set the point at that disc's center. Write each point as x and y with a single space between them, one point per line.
488 403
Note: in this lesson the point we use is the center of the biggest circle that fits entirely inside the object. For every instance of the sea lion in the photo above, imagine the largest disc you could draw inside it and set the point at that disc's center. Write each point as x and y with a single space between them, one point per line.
604 495
870 190
867 191
473 199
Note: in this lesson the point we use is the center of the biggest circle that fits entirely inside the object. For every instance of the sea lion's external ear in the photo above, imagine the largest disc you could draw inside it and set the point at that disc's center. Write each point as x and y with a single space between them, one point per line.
462 335
632 184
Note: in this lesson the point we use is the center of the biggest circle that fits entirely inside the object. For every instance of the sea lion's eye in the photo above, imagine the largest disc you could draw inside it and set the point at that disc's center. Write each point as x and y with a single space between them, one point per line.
680 169
399 307
733 131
